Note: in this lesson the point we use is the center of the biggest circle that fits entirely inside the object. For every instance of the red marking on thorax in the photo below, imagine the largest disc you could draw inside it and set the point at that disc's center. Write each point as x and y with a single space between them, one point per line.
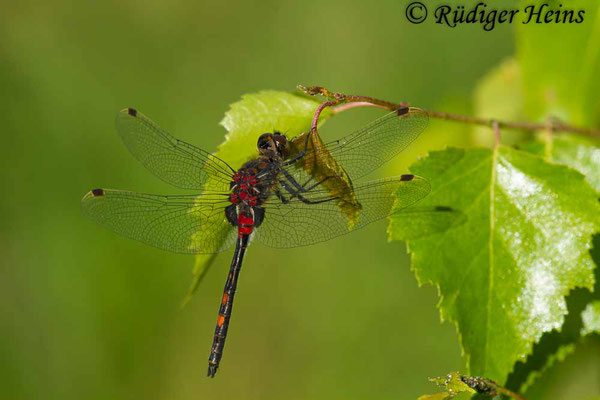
244 190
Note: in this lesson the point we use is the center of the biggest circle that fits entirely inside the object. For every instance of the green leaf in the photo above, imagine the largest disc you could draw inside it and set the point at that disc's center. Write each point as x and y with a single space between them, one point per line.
436 396
202 265
550 358
419 222
591 318
580 153
560 65
504 274
452 384
565 87
459 386
447 396
555 346
245 121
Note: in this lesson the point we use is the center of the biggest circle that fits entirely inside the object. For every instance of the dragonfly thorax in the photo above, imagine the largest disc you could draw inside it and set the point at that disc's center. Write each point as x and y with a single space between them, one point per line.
250 187
244 190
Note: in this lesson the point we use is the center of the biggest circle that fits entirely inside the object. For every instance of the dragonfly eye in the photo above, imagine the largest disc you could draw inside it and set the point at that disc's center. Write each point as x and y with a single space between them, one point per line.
264 141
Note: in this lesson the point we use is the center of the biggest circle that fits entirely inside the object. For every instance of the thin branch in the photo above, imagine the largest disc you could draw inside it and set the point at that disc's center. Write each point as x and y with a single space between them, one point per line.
315 121
509 393
345 102
347 106
553 125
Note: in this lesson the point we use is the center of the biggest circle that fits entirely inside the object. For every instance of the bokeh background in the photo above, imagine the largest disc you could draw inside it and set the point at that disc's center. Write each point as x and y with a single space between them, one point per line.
85 313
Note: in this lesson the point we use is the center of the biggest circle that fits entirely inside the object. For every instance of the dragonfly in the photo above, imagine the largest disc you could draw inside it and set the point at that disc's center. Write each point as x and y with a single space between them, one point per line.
283 197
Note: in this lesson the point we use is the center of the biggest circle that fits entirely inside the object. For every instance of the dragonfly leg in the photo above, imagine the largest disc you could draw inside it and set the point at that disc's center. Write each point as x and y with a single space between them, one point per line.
303 188
301 154
308 189
281 197
307 201
308 181
289 189
296 193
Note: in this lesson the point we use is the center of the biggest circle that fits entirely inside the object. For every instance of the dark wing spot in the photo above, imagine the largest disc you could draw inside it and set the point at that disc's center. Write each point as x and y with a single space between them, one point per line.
132 112
402 111
407 177
98 192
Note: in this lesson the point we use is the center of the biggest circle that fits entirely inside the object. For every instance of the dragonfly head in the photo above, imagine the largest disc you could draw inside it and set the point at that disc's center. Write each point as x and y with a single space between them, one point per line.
273 143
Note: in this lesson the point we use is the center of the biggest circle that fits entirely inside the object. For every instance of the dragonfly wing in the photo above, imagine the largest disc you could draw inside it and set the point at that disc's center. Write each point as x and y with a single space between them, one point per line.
371 146
181 224
297 223
172 160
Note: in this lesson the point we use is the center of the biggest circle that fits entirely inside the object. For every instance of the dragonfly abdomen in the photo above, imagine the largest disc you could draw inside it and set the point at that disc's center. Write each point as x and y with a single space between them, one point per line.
226 306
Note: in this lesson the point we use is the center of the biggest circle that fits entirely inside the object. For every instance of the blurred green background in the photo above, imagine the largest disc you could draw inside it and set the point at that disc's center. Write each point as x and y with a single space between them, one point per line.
88 314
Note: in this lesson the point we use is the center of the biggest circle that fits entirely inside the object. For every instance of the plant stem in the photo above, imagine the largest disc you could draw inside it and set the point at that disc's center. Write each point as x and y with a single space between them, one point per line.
509 393
347 106
553 125
345 102
315 121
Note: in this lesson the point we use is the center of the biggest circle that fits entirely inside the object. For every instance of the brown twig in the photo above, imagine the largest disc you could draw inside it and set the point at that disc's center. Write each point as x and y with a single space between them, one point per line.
347 106
315 121
345 102
509 393
555 125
